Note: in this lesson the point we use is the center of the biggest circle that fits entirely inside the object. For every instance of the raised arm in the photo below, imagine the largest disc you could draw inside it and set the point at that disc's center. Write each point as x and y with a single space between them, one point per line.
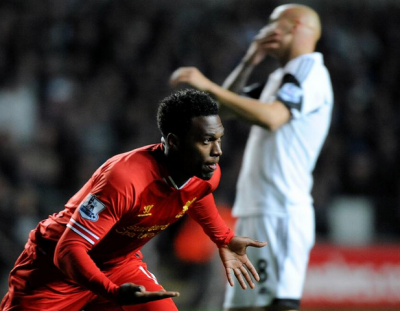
271 116
238 78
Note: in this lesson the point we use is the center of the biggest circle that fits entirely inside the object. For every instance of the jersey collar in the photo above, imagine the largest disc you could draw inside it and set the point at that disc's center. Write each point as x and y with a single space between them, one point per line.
170 181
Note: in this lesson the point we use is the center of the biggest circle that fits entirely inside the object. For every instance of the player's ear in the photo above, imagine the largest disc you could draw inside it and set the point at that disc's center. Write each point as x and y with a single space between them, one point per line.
173 141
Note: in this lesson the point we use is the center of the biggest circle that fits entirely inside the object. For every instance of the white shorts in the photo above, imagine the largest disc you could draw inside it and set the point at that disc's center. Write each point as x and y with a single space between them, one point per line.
282 264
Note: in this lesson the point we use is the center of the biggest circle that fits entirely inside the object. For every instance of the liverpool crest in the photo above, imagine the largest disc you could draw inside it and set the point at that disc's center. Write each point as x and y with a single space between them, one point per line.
185 208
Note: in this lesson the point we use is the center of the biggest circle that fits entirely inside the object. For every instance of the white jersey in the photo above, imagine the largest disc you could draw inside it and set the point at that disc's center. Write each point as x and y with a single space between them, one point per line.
276 175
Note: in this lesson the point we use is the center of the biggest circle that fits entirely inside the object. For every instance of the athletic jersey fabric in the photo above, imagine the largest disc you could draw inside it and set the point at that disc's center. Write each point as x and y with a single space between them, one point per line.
276 174
126 202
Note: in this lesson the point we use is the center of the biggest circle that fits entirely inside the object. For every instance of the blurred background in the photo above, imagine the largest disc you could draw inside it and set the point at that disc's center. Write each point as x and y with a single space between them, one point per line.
81 80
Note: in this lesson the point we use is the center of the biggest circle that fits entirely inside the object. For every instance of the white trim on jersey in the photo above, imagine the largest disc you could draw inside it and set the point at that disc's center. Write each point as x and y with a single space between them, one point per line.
174 184
151 276
304 69
83 228
81 234
75 226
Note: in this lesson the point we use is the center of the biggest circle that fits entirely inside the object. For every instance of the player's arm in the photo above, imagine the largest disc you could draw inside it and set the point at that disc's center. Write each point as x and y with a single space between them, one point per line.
206 214
86 229
232 249
72 258
271 116
255 54
238 78
235 83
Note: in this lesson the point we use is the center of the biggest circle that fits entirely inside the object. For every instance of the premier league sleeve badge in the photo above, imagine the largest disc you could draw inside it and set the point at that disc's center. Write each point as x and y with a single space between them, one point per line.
91 207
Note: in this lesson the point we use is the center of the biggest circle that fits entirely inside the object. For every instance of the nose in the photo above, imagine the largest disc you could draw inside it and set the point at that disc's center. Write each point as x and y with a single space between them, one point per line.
216 150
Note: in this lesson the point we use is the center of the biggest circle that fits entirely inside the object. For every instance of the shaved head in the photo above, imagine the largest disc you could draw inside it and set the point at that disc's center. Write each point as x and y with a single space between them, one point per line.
292 30
302 15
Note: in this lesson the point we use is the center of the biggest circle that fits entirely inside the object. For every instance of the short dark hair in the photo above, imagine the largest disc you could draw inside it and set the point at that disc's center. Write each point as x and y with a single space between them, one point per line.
176 111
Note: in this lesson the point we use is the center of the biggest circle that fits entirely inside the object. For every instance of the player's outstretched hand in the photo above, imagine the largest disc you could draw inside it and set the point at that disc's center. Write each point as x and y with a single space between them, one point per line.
191 76
235 260
131 294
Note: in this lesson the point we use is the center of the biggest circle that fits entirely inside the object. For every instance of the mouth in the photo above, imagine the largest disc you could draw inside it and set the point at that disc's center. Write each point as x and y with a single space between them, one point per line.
211 167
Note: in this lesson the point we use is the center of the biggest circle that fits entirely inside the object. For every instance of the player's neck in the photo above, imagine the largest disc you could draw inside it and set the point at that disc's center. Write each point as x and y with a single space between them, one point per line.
172 182
177 178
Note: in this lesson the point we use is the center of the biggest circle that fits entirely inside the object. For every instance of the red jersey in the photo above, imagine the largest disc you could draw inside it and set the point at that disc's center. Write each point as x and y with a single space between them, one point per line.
126 202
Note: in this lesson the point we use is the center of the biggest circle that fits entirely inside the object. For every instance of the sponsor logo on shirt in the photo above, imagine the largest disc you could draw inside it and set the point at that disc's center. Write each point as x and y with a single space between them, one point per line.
139 232
91 207
185 208
146 211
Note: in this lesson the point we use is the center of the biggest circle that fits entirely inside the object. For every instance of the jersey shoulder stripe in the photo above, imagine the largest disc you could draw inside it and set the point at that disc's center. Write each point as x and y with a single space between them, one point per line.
304 69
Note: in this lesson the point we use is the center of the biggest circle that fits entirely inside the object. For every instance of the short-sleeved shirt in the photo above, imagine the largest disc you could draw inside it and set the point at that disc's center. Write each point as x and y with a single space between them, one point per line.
276 174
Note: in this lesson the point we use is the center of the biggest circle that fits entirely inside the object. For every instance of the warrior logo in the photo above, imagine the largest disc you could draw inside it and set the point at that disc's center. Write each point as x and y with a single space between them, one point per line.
146 211
91 207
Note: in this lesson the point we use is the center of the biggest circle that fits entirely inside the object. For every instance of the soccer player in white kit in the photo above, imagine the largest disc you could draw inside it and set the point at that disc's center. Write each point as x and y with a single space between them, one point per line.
291 115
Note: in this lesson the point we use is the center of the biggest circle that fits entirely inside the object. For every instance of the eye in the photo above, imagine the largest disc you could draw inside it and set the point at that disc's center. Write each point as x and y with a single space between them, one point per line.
207 141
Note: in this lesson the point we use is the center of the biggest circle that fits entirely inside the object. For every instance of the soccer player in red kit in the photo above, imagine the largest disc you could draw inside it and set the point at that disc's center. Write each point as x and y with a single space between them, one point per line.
88 255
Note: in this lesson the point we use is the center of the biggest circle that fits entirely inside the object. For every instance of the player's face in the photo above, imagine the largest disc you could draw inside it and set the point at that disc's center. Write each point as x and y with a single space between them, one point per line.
276 38
201 147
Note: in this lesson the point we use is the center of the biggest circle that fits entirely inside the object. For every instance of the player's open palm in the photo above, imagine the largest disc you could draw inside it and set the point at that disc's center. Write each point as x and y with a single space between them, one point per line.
235 260
131 294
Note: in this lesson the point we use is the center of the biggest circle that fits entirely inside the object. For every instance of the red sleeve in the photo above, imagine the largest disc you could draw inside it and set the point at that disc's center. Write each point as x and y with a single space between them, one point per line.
111 195
72 259
206 214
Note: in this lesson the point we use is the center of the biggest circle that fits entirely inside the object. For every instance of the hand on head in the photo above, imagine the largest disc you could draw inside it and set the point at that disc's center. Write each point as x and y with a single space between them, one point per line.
293 30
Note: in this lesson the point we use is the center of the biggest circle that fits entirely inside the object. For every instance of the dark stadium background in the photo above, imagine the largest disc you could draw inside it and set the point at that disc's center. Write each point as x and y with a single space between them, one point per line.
81 80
